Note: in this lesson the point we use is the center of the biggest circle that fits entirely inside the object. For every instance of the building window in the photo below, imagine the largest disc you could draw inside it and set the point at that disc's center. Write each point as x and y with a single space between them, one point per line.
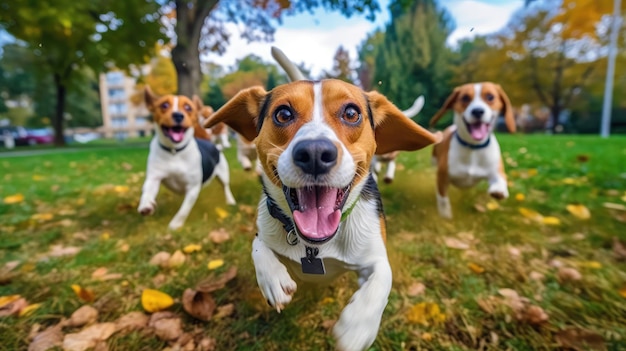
119 122
115 78
118 108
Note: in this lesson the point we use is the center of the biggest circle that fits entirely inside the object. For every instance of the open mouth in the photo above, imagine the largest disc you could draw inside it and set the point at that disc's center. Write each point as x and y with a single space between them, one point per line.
317 210
478 130
175 133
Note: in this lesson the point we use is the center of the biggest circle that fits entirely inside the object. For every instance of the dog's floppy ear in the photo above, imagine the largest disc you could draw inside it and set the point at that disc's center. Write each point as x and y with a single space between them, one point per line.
393 130
149 98
509 118
241 112
446 106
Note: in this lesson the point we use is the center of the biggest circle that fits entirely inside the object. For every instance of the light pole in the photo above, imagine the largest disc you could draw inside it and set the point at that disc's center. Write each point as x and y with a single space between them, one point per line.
605 127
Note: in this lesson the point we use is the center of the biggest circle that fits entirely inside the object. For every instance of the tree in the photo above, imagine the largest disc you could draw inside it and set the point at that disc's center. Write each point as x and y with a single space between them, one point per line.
66 36
413 58
251 70
200 27
341 66
367 52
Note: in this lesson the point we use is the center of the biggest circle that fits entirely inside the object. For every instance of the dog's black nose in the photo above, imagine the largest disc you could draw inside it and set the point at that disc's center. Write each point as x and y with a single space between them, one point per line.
316 156
178 117
477 112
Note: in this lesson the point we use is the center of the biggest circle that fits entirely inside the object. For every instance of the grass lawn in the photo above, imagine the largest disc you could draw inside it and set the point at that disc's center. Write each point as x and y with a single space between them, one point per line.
493 278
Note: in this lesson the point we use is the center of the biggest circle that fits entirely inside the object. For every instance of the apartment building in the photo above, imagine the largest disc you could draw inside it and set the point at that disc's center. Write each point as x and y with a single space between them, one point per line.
120 117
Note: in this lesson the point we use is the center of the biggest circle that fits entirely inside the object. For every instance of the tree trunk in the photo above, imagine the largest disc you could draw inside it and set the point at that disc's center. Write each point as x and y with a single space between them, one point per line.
555 111
187 62
58 122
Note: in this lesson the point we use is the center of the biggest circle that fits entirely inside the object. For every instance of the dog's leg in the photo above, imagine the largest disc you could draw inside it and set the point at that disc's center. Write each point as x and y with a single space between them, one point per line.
150 189
244 160
443 202
391 172
224 140
359 322
223 175
191 195
274 281
498 188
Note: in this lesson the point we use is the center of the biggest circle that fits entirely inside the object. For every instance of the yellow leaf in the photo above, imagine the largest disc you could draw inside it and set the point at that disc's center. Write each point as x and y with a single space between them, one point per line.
569 181
427 336
80 201
579 211
84 294
327 300
492 205
29 309
532 172
531 214
520 197
41 217
425 313
37 177
591 264
622 292
154 300
551 220
221 213
121 189
191 248
13 199
105 236
475 268
623 198
213 264
5 300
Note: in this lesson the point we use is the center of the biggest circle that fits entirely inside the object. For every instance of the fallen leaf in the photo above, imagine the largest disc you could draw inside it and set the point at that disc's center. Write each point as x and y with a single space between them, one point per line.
532 172
567 274
534 315
426 336
88 337
99 273
619 250
42 217
84 315
455 243
475 268
579 211
121 189
207 344
12 305
47 339
549 220
105 236
416 289
591 264
132 321
84 294
160 259
221 213
492 205
622 292
520 197
60 250
425 313
219 236
480 208
214 264
582 158
126 166
613 206
210 285
13 199
198 304
167 326
530 214
177 259
580 339
224 311
192 248
28 309
154 300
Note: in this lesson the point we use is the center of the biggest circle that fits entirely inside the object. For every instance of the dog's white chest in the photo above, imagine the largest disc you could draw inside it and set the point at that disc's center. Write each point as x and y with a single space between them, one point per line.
467 167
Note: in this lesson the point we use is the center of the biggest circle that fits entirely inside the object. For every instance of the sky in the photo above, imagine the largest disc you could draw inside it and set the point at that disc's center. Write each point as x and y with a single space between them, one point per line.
313 39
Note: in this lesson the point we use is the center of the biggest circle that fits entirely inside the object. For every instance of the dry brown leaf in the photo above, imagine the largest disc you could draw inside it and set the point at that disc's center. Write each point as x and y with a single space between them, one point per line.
88 337
614 206
209 285
416 289
580 339
480 208
167 326
568 274
59 251
13 306
47 339
177 259
219 236
160 259
82 316
207 344
328 324
99 273
224 311
455 243
198 304
619 250
534 315
84 294
132 321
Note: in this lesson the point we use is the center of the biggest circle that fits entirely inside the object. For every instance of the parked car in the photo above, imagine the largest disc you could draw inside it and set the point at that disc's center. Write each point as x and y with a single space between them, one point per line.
37 137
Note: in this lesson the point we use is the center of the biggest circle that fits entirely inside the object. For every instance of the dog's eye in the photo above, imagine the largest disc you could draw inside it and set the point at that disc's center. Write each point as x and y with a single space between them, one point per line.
466 98
283 116
351 115
489 97
188 108
165 105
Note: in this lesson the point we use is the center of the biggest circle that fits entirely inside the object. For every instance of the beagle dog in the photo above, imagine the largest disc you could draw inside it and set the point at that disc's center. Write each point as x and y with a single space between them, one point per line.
469 152
218 134
181 157
320 212
389 158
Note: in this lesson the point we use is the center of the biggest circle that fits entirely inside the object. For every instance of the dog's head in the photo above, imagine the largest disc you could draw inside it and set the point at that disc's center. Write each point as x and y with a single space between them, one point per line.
175 115
315 142
477 107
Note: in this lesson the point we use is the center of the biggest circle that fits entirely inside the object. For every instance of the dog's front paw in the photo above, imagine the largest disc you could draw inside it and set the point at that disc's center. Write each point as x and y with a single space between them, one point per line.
276 286
444 207
498 191
146 208
355 331
176 223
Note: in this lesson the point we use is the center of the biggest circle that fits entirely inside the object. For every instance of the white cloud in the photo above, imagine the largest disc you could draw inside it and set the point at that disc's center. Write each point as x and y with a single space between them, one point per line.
475 17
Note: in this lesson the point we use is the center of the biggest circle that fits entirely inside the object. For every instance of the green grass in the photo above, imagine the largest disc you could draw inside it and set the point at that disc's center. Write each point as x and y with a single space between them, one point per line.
78 189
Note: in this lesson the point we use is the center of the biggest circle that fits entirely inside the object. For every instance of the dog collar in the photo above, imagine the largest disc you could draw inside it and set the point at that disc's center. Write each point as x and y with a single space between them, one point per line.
173 150
472 146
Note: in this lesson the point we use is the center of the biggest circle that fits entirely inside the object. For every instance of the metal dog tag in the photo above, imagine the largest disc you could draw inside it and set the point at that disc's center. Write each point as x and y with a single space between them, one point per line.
312 264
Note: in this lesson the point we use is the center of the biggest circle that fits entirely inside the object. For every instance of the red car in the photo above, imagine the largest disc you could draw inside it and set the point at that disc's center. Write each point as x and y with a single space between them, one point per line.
36 137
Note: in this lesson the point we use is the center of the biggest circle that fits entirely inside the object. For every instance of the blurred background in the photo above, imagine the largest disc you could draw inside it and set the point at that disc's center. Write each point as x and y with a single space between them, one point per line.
73 71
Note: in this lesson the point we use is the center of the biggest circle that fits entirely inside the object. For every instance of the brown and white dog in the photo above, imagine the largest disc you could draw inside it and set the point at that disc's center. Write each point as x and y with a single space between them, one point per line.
180 156
219 133
320 212
469 152
389 158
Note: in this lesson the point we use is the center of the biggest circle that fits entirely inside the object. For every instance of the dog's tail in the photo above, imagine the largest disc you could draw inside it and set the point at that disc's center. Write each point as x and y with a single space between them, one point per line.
416 108
293 72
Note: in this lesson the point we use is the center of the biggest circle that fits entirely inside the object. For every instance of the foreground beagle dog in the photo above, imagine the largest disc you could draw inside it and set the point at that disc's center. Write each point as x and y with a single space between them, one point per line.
469 152
320 213
389 158
180 156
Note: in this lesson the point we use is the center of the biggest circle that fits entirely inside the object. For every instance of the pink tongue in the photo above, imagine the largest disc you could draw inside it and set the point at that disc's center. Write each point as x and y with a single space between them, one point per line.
317 218
479 130
176 136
